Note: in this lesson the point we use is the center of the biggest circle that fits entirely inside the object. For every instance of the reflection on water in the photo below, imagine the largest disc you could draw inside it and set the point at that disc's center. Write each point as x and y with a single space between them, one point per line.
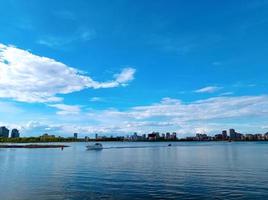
137 171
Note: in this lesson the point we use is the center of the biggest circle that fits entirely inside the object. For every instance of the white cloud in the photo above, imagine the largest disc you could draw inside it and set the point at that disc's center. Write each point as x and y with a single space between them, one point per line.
245 113
36 128
122 79
212 108
206 116
30 78
208 89
175 115
125 76
226 94
96 99
66 109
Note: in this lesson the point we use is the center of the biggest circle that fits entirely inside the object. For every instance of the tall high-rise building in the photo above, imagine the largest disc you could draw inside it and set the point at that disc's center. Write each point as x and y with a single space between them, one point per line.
167 136
232 134
15 133
4 132
134 137
224 134
174 135
75 135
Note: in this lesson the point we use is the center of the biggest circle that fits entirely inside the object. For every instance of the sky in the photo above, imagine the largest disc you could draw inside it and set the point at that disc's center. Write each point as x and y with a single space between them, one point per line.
118 67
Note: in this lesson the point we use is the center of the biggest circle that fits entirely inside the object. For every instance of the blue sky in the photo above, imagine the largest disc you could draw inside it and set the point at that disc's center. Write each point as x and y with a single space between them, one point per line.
115 67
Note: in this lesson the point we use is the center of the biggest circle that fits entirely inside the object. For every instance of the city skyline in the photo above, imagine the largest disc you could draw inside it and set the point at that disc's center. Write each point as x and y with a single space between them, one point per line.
133 67
230 135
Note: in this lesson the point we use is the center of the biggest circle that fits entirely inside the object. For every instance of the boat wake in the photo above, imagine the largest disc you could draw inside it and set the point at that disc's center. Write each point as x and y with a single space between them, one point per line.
135 147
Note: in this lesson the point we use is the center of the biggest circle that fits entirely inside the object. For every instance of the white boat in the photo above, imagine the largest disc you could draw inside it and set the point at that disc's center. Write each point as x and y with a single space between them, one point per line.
96 146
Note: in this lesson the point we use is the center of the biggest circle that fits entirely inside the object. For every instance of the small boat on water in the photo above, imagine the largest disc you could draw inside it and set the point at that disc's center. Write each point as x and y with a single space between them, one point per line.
96 146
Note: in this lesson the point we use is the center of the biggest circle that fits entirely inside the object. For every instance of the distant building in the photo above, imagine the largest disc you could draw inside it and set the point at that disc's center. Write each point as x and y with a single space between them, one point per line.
201 137
134 137
249 137
265 136
4 132
46 135
167 136
174 136
218 137
224 134
143 136
157 135
152 136
258 137
232 134
75 135
96 136
15 133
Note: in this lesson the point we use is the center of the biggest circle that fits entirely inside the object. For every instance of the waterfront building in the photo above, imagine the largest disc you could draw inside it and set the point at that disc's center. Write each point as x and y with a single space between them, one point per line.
157 135
167 136
265 136
174 136
218 137
258 137
144 137
224 135
47 136
201 137
152 136
232 134
134 137
239 136
75 135
190 138
15 133
248 137
4 132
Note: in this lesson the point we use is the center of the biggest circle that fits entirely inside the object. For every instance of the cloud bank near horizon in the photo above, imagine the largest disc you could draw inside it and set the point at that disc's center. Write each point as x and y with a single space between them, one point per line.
204 116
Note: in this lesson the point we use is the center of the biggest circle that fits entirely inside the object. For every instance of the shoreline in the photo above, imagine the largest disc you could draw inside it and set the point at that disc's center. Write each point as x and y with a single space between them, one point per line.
33 146
45 143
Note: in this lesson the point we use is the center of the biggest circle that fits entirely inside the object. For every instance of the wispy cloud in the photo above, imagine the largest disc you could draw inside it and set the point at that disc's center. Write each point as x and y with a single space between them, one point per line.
31 78
226 94
183 44
65 109
81 35
244 84
96 99
65 14
208 89
217 63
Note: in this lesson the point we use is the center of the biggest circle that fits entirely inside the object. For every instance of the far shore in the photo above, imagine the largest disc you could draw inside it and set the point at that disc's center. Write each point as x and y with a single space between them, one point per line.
34 146
48 143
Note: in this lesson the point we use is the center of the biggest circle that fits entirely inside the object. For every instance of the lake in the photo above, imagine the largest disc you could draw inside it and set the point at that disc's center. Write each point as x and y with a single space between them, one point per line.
123 170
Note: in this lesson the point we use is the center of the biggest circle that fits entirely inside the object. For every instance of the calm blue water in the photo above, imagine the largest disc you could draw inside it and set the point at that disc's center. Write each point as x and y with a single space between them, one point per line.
211 170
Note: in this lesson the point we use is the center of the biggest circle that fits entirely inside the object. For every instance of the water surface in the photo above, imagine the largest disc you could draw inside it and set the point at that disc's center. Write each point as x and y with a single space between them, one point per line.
193 170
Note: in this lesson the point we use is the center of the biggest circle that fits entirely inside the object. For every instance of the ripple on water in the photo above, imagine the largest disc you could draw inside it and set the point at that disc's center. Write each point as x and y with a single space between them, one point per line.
146 171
